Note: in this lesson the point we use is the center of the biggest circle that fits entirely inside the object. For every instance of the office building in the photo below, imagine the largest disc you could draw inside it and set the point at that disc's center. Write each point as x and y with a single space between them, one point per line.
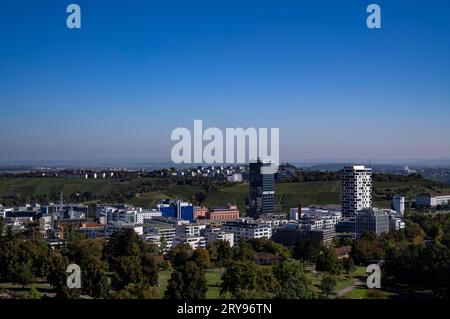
398 202
427 200
372 220
177 209
262 190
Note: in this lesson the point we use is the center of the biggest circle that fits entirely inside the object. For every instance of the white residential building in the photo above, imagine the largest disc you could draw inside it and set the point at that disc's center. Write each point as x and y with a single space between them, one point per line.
194 241
244 229
190 230
356 191
144 214
396 223
214 236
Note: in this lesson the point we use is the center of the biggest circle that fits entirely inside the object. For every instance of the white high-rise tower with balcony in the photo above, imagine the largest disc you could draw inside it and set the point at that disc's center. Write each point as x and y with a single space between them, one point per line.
356 192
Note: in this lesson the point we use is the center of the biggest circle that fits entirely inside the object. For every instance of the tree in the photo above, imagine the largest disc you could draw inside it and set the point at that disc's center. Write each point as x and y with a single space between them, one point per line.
294 284
131 259
306 250
127 269
188 282
329 262
150 266
348 264
201 258
87 253
180 254
221 252
57 277
245 279
327 285
365 251
16 262
421 267
94 281
269 246
135 291
122 243
243 251
2 228
23 273
199 198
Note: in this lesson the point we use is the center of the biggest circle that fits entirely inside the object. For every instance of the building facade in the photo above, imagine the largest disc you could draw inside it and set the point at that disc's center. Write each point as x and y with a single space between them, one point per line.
356 189
262 190
428 200
224 236
398 203
246 230
223 213
372 220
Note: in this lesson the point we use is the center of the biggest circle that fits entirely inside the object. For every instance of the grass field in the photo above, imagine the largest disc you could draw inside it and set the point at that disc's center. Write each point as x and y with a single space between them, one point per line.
287 194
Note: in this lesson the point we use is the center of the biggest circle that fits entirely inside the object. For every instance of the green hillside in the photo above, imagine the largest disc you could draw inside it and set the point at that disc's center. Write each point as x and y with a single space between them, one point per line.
143 192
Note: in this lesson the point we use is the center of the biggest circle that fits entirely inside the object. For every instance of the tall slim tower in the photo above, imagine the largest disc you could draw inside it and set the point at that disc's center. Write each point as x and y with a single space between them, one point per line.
262 190
356 190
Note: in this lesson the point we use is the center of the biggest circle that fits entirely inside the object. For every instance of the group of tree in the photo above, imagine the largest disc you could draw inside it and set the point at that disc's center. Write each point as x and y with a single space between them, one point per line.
248 280
113 269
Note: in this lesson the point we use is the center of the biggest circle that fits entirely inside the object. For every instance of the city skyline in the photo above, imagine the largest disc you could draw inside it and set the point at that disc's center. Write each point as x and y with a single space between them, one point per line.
115 89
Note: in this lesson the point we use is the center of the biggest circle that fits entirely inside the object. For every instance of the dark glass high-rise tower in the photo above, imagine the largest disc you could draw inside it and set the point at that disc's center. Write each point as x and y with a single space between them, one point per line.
262 190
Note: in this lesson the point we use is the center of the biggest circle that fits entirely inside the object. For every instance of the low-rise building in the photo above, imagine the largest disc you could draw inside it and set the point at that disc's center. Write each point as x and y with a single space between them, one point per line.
231 212
200 212
372 220
214 236
427 200
93 230
289 234
247 230
144 214
194 241
396 223
190 230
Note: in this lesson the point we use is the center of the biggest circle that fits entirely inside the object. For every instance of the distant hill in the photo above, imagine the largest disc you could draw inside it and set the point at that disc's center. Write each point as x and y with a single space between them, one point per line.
147 191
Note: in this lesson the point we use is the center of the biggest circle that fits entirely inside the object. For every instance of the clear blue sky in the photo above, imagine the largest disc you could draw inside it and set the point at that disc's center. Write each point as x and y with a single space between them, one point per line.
136 70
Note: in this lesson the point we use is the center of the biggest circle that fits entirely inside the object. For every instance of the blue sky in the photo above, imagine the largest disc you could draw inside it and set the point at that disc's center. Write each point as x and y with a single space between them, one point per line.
115 89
